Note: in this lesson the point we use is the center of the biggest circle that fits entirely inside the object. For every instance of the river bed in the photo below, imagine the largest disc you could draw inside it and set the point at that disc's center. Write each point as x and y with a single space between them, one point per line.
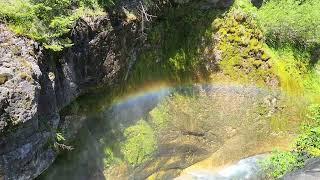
196 132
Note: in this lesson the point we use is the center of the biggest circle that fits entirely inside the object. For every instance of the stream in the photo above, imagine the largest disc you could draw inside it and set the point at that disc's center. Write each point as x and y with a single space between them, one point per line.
191 132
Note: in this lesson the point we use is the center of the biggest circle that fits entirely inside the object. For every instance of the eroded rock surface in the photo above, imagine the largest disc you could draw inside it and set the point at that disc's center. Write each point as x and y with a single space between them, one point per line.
22 144
36 84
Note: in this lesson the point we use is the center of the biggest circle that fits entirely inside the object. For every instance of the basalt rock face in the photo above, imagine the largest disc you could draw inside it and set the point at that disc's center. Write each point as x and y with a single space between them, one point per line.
22 143
36 84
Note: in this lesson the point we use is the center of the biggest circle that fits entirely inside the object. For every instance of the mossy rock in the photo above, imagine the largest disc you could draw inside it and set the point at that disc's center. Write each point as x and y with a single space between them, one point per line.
243 54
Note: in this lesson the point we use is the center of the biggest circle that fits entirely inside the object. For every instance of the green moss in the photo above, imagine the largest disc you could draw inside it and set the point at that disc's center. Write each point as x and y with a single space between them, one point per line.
160 117
140 143
296 76
243 52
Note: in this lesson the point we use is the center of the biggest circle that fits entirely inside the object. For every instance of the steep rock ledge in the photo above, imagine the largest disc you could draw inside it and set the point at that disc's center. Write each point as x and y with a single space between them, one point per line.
36 85
20 138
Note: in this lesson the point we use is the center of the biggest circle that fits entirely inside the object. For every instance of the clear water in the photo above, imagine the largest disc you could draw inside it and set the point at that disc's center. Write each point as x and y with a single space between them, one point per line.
222 110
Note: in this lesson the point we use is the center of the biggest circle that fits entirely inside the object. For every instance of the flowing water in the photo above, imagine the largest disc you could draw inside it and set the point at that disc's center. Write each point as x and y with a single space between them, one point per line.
190 132
247 168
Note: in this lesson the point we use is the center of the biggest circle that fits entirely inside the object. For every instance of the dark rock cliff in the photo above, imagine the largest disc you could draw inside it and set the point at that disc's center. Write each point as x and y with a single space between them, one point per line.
36 85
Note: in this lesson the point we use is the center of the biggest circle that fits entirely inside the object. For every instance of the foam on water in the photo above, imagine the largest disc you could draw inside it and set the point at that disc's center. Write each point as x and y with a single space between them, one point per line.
245 169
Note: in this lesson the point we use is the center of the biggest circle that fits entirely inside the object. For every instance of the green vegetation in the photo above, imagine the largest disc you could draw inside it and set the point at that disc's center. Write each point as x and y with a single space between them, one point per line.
241 50
291 33
291 22
140 143
46 21
307 145
176 46
248 54
186 39
280 163
110 157
159 116
274 46
59 137
295 75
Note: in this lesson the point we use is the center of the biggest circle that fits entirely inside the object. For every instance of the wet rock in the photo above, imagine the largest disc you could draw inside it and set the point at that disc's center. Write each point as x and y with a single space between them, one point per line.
311 171
193 134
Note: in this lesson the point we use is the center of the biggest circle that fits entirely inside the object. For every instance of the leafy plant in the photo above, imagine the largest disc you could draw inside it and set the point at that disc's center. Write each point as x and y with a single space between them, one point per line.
280 163
309 142
307 145
110 158
314 113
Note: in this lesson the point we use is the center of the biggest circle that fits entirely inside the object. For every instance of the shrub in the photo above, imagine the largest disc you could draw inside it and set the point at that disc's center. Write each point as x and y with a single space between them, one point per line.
280 163
309 142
